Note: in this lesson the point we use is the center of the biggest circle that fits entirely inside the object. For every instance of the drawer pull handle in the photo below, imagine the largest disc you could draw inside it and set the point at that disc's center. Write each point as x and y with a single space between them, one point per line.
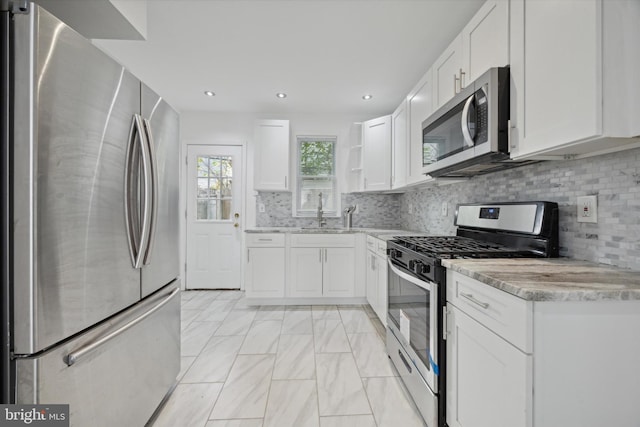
265 240
406 364
474 300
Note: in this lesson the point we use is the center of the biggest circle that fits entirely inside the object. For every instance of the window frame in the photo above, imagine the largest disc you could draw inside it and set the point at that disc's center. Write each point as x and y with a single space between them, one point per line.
297 193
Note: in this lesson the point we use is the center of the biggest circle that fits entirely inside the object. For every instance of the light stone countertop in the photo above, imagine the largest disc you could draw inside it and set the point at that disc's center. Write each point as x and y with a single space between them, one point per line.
552 279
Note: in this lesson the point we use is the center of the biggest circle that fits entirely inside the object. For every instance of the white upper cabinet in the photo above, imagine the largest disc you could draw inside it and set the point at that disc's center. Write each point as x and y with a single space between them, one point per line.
447 73
482 44
420 104
376 154
485 40
575 90
271 155
400 144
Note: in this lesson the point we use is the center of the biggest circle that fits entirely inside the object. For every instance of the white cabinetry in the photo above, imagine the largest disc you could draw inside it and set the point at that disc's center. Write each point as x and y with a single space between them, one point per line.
485 40
377 293
376 154
447 73
501 348
574 74
271 155
400 144
321 265
265 266
420 104
482 44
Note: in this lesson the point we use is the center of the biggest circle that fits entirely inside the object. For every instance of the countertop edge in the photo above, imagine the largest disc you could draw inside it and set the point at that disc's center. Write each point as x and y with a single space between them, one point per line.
547 295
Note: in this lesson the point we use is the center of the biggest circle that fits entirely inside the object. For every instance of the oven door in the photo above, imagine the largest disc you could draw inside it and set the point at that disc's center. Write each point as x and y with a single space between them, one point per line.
412 317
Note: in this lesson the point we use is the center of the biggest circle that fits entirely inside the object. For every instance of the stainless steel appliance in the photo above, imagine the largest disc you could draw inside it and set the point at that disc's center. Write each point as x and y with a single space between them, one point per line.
93 269
417 283
469 135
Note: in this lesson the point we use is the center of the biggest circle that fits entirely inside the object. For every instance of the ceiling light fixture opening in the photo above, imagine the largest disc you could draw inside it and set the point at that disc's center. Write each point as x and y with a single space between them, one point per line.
281 95
367 97
209 93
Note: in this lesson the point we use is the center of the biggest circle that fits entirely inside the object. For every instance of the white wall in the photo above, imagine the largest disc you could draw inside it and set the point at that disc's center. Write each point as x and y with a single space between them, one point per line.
202 128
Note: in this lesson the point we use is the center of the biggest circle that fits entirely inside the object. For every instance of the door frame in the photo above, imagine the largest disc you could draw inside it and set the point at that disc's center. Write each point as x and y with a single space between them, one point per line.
184 178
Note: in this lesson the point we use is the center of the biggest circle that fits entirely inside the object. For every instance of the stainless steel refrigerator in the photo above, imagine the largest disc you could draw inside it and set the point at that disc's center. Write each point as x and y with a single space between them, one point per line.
91 211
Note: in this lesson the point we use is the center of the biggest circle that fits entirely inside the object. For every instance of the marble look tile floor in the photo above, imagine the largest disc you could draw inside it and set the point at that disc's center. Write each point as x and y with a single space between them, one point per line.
283 366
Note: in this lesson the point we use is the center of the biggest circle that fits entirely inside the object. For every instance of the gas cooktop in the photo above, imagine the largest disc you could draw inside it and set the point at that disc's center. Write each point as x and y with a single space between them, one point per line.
445 247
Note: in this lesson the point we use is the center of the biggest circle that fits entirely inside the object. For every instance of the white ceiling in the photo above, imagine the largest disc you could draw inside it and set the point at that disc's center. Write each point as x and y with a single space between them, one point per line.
325 54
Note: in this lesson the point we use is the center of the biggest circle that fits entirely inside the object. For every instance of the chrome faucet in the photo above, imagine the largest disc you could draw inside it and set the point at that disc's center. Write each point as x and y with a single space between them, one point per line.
321 220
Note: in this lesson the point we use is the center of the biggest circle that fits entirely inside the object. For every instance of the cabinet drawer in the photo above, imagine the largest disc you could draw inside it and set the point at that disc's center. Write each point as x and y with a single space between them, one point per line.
315 240
508 316
381 248
265 240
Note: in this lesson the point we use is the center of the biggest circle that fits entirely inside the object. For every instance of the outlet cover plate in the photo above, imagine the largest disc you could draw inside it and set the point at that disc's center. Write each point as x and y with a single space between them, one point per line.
587 209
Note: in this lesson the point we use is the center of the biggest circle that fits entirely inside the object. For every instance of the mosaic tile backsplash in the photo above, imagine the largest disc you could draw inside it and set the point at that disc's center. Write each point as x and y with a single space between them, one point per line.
374 211
614 178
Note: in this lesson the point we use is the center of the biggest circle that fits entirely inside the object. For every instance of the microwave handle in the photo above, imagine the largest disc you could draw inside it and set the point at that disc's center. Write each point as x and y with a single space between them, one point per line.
468 138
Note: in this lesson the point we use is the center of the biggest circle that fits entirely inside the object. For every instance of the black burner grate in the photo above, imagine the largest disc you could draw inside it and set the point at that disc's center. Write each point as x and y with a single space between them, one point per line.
456 247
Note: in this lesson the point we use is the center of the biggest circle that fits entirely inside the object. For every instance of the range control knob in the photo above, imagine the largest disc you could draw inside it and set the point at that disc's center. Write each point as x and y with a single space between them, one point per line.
394 253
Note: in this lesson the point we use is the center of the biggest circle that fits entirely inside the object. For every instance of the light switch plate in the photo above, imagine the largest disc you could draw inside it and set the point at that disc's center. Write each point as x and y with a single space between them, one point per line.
587 209
261 207
445 208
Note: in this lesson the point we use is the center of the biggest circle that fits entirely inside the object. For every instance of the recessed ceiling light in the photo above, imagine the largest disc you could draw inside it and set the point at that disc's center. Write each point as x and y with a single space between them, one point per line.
367 97
209 93
281 95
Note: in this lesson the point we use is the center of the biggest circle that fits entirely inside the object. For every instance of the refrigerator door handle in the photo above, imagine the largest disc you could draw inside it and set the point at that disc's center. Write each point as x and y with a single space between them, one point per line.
73 356
131 189
152 178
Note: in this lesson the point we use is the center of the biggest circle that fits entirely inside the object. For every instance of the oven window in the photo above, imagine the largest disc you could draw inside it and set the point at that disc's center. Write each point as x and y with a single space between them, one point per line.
410 302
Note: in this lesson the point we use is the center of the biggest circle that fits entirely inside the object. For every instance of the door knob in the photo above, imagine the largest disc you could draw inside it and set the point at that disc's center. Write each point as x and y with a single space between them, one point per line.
236 215
236 225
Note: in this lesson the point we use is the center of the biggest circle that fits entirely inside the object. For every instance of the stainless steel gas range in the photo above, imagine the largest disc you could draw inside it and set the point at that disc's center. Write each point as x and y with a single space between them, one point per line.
417 283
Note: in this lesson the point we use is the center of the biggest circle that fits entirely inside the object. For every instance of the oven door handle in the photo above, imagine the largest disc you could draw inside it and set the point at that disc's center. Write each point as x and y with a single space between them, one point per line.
414 280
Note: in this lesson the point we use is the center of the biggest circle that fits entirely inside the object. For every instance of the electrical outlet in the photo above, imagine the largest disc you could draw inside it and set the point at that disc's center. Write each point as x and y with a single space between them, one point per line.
445 208
410 208
261 208
587 208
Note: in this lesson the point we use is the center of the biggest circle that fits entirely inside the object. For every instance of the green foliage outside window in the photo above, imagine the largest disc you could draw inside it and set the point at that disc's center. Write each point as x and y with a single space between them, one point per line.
316 158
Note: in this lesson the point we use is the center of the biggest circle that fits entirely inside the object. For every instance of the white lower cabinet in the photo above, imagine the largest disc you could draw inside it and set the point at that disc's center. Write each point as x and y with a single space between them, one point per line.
305 272
265 266
487 377
513 362
376 277
321 265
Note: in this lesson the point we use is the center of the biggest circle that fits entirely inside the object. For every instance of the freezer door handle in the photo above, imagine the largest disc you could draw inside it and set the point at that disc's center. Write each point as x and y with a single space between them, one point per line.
152 178
82 351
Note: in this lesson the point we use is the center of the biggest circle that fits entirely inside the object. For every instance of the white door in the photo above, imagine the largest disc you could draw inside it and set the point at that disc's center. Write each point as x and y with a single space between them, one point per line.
214 224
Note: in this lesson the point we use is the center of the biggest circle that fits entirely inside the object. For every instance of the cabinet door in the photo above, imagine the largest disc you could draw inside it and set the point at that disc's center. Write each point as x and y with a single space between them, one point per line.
376 154
271 155
485 40
420 107
556 73
338 272
265 272
446 73
305 272
489 380
381 273
372 281
399 143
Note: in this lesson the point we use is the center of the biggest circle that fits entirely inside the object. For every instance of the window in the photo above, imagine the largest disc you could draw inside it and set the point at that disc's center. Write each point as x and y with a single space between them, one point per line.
316 174
215 176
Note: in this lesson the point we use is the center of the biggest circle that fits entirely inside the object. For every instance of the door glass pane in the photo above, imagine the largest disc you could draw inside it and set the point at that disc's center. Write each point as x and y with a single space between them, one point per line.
214 188
203 166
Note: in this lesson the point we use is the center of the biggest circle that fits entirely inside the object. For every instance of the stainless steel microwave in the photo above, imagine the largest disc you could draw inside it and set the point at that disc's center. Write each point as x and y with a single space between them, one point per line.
469 134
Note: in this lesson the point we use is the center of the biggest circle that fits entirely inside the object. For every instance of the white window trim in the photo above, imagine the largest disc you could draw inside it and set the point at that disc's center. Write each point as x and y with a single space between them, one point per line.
297 180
